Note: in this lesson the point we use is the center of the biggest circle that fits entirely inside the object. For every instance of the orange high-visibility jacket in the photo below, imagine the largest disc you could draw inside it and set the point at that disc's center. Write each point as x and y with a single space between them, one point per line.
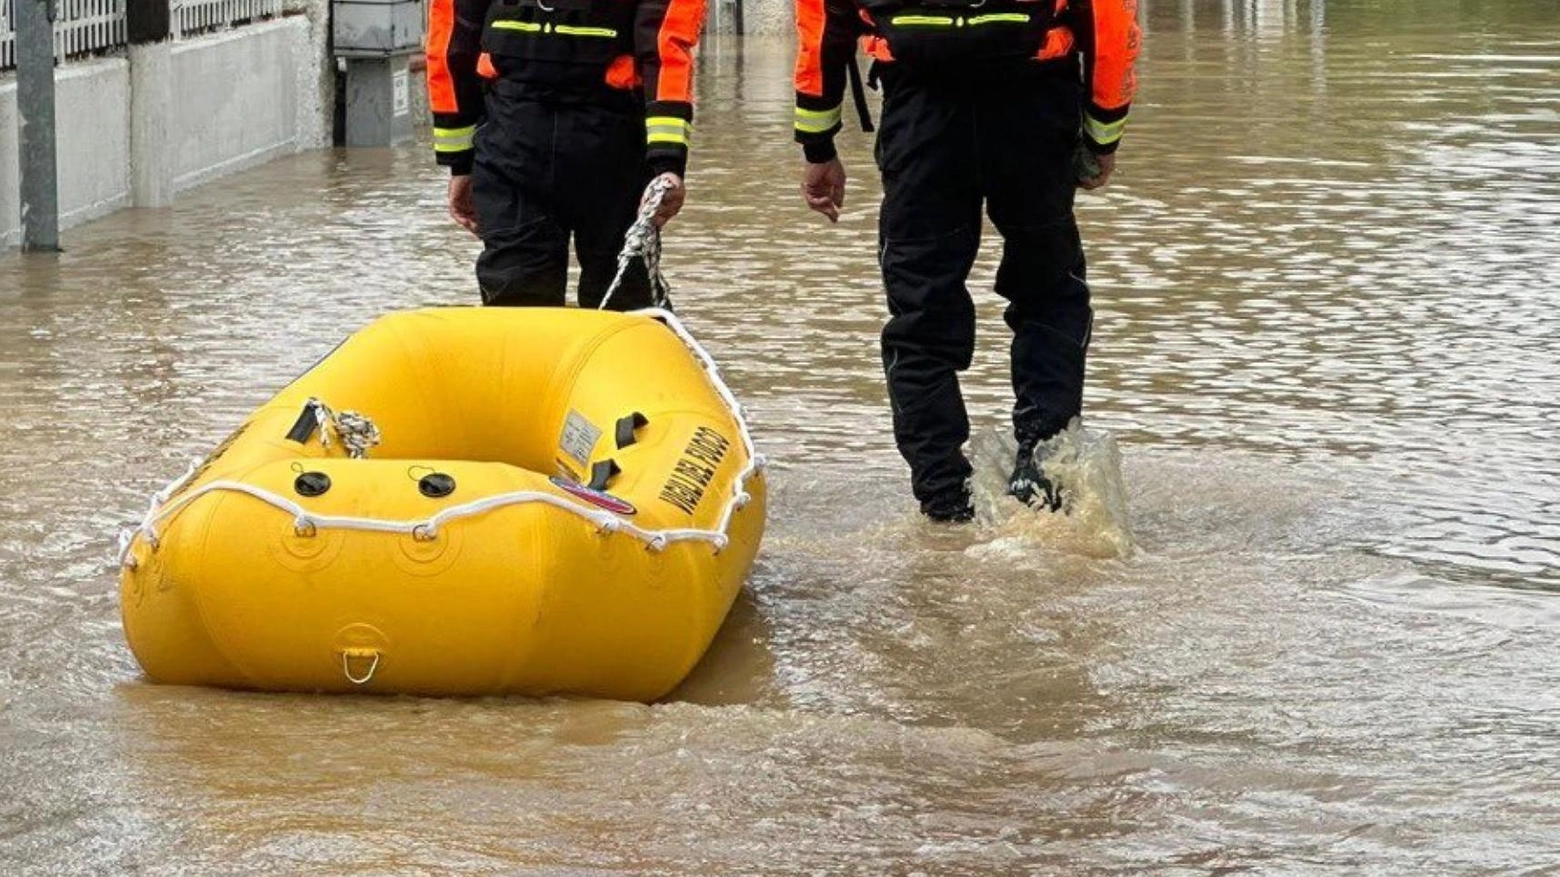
625 44
1104 33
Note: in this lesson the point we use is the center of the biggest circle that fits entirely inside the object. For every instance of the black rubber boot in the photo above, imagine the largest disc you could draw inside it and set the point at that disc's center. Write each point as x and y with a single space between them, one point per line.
954 508
1029 486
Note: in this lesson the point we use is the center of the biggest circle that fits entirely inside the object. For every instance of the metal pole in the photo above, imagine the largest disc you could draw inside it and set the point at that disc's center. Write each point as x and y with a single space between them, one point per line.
35 123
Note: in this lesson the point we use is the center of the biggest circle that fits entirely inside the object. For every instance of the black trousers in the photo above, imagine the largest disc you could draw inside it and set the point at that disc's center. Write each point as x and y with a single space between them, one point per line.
1003 139
547 169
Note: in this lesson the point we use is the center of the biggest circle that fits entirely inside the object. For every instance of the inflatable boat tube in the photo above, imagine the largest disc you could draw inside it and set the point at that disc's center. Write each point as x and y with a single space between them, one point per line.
460 501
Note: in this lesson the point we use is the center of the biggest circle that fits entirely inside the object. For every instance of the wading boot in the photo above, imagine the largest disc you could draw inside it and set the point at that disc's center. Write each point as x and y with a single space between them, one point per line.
1029 486
954 508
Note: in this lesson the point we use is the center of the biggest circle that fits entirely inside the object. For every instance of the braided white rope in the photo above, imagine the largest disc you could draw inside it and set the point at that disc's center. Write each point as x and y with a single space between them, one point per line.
643 241
161 510
357 432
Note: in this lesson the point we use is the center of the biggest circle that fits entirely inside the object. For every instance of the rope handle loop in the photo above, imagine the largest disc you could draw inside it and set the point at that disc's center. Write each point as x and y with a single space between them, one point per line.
347 656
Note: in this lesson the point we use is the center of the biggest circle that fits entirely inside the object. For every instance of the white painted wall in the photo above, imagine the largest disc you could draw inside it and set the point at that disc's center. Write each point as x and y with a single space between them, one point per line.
92 109
94 139
10 171
237 99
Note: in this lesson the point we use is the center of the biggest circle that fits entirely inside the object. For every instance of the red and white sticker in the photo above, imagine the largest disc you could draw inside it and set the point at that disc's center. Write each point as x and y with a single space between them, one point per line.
596 498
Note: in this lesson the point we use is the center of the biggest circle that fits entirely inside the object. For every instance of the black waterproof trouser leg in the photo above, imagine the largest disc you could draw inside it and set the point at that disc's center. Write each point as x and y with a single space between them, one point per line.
547 170
1005 140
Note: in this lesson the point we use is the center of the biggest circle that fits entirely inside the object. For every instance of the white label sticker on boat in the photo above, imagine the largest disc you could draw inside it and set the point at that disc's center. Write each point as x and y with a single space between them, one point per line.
579 437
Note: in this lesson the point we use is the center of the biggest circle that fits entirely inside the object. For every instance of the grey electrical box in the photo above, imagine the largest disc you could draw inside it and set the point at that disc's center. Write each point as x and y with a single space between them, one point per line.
376 28
375 40
379 105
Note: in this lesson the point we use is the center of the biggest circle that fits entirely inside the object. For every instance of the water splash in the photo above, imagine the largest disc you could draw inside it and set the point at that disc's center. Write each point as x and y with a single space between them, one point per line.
1087 466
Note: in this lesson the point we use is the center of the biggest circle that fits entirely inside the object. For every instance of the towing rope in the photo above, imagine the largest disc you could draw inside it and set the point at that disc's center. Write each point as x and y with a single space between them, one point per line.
356 432
642 241
161 510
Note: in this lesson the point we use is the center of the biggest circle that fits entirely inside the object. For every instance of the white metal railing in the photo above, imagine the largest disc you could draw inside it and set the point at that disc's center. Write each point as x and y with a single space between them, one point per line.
82 27
7 39
191 17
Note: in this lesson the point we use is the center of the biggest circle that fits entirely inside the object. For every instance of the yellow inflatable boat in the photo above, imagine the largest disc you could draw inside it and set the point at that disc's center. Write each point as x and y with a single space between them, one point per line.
460 501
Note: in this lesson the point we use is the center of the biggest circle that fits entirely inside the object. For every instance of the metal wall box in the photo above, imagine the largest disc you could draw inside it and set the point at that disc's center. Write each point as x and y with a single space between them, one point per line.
376 28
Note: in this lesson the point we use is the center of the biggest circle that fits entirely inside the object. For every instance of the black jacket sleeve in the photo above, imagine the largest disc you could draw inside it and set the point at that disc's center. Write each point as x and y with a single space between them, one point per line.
454 88
826 32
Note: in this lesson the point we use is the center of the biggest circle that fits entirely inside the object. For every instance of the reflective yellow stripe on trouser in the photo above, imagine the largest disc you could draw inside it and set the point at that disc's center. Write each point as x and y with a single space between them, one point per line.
668 129
817 121
453 139
1103 133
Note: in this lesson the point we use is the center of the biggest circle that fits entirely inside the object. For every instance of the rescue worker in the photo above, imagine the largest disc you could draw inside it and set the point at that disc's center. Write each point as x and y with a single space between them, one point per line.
1010 104
552 116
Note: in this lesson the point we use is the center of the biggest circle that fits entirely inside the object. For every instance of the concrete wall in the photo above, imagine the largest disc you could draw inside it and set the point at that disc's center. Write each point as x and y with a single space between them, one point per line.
93 143
246 112
208 106
203 107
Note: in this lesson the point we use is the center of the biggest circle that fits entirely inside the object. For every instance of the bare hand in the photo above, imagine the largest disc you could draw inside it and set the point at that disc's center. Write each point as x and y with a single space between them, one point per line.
1107 165
823 187
672 201
461 208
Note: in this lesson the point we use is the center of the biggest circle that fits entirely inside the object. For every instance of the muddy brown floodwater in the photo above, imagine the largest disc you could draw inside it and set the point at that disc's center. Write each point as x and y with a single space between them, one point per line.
1312 623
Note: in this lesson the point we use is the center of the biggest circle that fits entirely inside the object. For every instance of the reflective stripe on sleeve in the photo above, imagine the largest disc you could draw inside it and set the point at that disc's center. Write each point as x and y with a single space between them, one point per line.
817 121
453 139
1103 133
668 129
